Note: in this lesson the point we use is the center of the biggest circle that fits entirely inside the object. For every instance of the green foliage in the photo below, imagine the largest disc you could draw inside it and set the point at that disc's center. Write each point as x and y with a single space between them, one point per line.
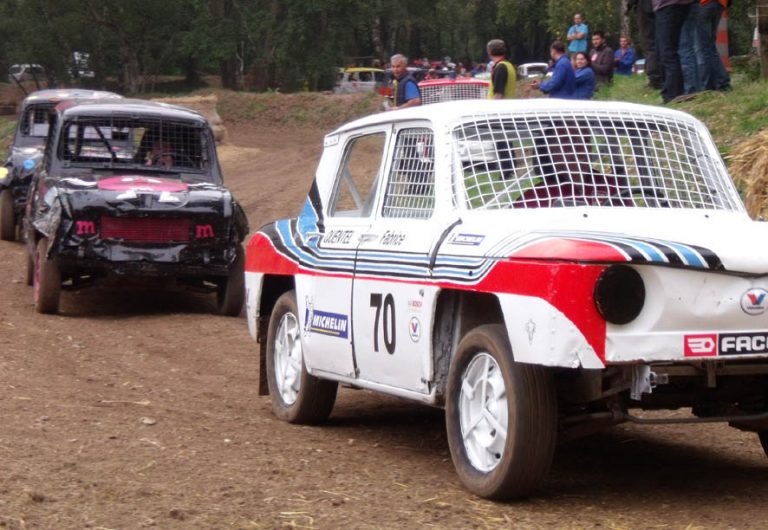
291 45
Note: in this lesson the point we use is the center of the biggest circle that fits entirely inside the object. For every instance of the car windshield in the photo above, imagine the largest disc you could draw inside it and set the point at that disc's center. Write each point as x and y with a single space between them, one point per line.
119 142
588 159
34 121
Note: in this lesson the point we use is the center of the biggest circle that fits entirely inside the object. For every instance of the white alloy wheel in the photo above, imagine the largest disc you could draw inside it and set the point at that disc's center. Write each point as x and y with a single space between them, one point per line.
483 412
288 358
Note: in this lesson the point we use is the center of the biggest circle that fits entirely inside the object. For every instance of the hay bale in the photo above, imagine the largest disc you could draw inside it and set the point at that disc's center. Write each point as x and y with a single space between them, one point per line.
205 105
748 163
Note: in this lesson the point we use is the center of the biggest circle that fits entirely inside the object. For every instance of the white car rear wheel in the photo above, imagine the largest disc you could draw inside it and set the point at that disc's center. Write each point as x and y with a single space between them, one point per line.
501 417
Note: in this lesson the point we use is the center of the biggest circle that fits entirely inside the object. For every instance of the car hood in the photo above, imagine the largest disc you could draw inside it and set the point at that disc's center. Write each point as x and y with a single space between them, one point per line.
700 239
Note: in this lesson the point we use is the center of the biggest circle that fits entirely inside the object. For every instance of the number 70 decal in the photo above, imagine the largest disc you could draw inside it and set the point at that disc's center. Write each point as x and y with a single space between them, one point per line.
385 315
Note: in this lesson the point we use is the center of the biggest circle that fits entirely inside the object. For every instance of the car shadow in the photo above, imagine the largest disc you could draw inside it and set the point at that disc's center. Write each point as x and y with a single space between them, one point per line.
115 301
627 460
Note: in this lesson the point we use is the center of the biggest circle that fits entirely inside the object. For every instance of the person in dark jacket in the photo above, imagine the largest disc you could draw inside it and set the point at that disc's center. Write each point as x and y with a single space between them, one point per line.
585 77
601 57
563 80
406 89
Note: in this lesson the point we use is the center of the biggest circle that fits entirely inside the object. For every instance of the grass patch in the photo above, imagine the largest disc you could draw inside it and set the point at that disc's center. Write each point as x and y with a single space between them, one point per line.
7 128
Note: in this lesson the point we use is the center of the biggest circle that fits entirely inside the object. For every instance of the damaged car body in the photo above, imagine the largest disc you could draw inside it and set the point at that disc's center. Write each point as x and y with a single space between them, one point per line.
27 151
541 269
132 189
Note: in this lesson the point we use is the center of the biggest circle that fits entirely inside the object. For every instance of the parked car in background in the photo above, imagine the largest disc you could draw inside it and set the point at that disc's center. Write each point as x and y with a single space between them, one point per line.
132 189
532 70
639 66
359 79
447 89
542 269
27 151
18 73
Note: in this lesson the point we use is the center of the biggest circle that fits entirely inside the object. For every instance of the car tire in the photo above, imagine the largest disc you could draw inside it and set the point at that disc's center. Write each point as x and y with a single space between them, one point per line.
230 296
297 396
30 279
763 436
47 280
7 216
516 397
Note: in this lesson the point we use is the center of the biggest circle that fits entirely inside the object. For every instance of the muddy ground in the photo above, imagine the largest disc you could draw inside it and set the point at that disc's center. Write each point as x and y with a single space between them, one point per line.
138 409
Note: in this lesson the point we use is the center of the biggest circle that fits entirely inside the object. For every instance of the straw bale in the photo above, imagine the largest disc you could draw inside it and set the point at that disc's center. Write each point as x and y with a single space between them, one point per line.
748 163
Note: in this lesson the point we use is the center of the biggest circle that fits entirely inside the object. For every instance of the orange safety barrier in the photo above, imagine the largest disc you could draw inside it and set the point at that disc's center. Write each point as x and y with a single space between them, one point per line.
722 40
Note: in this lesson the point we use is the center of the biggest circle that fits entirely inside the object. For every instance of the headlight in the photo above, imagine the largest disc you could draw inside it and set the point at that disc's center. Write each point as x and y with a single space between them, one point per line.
3 173
619 294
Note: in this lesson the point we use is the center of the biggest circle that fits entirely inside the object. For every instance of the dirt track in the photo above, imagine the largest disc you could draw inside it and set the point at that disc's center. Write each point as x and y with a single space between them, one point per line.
138 409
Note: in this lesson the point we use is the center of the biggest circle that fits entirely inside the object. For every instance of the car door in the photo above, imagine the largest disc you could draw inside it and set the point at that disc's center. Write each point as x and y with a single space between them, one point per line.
325 299
393 297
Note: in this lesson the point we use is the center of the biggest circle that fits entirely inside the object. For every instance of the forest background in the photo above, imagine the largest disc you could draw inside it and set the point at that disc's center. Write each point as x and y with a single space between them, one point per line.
289 45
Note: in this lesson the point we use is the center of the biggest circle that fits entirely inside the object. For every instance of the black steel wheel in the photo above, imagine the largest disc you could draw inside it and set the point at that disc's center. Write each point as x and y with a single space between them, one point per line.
7 216
47 280
230 295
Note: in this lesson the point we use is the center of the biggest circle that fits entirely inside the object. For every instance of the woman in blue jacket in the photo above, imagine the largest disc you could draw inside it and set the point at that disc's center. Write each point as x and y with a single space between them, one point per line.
585 77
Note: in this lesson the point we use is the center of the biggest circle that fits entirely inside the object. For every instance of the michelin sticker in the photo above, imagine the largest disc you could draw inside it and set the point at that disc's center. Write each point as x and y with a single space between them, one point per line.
325 323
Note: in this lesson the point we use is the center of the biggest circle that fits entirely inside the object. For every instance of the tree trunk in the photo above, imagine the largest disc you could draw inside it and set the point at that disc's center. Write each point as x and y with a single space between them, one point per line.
625 28
762 28
378 45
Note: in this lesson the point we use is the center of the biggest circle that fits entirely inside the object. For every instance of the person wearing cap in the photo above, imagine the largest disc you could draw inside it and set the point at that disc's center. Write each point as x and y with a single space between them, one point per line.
503 74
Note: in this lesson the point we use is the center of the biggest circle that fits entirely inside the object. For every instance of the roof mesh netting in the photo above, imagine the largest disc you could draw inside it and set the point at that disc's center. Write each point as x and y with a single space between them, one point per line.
588 159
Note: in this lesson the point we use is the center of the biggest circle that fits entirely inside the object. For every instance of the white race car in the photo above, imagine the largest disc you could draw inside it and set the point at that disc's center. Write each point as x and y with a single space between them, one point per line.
539 268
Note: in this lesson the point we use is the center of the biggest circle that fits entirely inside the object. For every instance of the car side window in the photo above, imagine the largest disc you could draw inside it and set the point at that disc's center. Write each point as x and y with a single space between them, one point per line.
357 177
410 189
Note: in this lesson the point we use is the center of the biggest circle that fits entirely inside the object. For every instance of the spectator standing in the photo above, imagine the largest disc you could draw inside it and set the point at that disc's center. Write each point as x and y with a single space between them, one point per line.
624 57
670 16
563 80
406 89
712 73
503 74
689 50
577 35
646 22
601 57
584 77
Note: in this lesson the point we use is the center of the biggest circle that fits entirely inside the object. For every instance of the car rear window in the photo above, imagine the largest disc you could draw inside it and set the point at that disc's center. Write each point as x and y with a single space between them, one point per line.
153 143
580 159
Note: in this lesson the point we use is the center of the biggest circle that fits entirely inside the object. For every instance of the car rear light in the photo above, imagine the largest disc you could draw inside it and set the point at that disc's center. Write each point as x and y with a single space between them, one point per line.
145 230
619 294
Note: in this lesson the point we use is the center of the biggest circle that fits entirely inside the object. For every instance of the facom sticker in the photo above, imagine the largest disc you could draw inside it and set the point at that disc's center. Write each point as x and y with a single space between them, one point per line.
29 164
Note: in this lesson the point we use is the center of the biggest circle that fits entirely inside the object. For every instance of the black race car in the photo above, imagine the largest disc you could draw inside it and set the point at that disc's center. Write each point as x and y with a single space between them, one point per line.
132 188
27 150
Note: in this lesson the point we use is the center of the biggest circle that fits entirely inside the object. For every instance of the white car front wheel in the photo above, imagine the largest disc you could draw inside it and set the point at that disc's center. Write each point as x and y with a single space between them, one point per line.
297 396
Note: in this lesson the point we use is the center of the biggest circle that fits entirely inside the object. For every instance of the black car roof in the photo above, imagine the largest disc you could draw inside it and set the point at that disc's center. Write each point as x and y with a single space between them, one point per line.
131 107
